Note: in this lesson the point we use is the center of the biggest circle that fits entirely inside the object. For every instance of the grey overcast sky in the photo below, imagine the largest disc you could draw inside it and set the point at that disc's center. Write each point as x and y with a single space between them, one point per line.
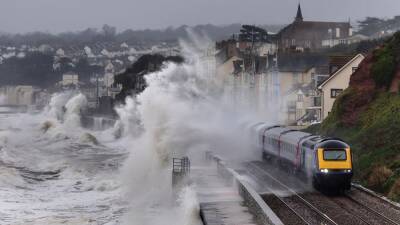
72 15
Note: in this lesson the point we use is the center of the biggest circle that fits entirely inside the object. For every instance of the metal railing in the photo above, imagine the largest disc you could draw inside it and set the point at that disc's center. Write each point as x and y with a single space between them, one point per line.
180 169
181 165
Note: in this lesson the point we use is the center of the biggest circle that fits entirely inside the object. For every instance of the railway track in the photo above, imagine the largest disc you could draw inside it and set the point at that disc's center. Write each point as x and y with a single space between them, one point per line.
368 215
284 211
376 196
304 210
387 212
315 208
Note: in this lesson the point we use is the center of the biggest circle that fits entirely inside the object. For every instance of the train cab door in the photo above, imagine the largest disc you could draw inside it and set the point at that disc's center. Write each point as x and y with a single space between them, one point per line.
315 159
308 161
303 159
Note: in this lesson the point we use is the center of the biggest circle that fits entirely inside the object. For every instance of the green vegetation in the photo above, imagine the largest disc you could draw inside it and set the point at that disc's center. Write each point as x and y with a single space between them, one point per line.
375 141
354 48
372 25
368 119
383 70
37 69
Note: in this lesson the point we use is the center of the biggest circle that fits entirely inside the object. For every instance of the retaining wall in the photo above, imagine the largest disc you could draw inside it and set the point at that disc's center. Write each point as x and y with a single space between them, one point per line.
257 206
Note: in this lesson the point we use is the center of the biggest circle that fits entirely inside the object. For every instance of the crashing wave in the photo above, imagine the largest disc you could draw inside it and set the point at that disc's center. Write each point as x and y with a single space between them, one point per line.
46 126
89 138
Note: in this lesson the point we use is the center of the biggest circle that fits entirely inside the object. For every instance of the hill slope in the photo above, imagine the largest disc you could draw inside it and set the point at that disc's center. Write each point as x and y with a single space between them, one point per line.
367 115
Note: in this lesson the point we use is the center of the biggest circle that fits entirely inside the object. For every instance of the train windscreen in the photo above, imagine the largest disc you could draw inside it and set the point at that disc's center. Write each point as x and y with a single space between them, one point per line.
336 154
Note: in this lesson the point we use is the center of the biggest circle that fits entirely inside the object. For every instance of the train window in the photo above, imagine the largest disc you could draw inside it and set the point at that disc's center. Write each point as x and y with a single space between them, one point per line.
337 154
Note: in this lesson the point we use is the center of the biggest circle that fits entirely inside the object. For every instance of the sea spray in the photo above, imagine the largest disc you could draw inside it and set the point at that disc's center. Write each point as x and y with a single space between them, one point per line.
56 107
129 123
74 109
63 115
182 111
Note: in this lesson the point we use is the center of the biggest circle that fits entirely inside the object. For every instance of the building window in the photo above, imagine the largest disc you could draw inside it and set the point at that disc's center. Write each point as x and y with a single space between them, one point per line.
354 69
338 32
298 113
300 97
336 92
293 42
330 33
317 101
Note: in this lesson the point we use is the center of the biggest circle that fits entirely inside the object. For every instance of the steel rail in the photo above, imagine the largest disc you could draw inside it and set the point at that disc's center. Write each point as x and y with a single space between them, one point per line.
351 212
308 204
270 190
372 210
377 196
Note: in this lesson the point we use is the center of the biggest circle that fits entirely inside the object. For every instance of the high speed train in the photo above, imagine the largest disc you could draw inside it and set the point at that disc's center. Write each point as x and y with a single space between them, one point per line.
327 161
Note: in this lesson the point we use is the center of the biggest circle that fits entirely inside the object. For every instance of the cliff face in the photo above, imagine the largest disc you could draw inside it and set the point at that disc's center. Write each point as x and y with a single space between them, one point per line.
367 115
360 94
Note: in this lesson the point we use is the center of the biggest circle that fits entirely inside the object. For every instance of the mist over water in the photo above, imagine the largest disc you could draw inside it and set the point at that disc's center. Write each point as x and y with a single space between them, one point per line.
53 171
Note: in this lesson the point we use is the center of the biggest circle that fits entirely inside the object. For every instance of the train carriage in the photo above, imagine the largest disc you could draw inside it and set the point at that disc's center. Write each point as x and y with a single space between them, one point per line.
327 161
271 144
291 148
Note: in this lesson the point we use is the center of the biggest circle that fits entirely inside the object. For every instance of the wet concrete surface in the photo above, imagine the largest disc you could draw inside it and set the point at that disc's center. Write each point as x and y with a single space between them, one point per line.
220 202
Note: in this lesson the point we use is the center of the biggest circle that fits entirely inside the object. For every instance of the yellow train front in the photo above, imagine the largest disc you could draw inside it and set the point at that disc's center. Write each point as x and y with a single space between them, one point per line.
333 165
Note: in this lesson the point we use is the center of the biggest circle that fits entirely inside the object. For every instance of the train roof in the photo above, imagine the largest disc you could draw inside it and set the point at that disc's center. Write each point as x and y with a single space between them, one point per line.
322 141
277 131
294 136
333 143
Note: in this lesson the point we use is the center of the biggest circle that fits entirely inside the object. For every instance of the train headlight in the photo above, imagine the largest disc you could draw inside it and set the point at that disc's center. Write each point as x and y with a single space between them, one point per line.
324 170
349 171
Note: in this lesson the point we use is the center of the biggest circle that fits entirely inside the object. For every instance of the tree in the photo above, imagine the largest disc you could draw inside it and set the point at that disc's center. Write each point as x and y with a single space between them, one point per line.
34 69
132 80
252 33
109 32
370 26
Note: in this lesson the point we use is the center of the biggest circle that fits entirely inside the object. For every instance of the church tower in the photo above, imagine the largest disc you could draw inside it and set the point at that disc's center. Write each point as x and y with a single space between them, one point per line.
299 16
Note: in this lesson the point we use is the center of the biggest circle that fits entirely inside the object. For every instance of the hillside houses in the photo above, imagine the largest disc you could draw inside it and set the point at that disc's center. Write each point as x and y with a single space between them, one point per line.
290 65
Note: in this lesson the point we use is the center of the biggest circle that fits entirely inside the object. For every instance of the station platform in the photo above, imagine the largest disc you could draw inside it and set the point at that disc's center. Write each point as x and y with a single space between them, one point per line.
220 202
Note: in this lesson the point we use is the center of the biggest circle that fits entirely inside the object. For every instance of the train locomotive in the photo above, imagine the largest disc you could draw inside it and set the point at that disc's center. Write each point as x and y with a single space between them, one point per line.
327 161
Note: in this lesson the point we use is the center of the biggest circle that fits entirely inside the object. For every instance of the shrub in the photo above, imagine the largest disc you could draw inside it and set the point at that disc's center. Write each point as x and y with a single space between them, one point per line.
384 67
394 192
379 176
